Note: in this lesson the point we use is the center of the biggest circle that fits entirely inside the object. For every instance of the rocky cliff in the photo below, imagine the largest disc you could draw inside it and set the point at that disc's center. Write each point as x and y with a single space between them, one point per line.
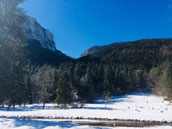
35 31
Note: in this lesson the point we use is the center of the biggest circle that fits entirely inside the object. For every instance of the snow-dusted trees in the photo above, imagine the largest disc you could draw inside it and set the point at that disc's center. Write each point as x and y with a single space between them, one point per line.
12 55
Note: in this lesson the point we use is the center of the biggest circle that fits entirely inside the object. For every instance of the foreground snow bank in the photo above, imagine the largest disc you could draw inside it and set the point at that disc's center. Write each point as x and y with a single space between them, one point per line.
140 106
15 123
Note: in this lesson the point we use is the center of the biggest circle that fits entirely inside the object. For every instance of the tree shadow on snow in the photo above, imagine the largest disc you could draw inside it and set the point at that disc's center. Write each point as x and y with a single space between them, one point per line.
40 124
98 108
31 108
123 98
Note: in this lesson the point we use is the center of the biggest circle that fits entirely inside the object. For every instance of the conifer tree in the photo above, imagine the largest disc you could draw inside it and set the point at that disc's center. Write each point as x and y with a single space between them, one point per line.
12 54
169 82
64 89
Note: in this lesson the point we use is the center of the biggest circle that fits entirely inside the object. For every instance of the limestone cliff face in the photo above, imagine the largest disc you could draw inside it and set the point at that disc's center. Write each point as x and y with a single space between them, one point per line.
32 29
35 31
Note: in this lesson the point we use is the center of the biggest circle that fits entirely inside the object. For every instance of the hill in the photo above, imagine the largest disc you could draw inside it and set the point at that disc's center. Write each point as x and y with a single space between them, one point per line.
120 68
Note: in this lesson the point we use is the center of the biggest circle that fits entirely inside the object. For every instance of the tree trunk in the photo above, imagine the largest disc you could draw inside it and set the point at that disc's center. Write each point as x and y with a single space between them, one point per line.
2 105
43 106
24 105
9 105
14 105
106 100
105 104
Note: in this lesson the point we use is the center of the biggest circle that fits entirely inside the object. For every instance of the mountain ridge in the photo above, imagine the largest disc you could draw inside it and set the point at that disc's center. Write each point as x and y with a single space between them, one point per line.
96 49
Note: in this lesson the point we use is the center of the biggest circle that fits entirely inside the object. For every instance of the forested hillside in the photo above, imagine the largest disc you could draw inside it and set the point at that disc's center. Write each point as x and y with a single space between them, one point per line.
120 68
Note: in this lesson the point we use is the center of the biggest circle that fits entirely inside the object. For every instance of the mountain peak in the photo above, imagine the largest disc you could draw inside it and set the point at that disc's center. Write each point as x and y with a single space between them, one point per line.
35 31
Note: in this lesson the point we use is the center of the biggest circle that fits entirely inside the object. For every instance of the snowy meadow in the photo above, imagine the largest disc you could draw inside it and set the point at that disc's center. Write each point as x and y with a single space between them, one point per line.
138 106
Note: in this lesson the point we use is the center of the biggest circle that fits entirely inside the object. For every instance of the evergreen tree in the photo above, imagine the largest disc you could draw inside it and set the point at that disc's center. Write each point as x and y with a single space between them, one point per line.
169 82
64 89
108 83
12 40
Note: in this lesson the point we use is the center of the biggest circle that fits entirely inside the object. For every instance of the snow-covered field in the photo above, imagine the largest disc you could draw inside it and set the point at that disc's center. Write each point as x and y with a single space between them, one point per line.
134 106
140 106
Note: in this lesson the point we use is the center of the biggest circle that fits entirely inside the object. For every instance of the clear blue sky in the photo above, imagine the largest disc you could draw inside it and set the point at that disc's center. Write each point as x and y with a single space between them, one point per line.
80 24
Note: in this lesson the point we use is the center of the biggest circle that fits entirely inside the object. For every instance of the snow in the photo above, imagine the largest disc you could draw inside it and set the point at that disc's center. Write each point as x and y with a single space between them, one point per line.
15 123
140 106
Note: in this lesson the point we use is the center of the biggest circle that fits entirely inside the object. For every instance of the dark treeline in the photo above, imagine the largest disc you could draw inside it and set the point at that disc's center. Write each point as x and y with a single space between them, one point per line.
88 80
122 68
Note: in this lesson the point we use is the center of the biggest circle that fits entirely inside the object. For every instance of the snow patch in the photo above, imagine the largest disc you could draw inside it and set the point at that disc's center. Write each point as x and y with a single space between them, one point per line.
140 106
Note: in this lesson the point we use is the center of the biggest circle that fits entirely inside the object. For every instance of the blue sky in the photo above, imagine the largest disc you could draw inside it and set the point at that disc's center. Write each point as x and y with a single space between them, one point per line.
80 24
